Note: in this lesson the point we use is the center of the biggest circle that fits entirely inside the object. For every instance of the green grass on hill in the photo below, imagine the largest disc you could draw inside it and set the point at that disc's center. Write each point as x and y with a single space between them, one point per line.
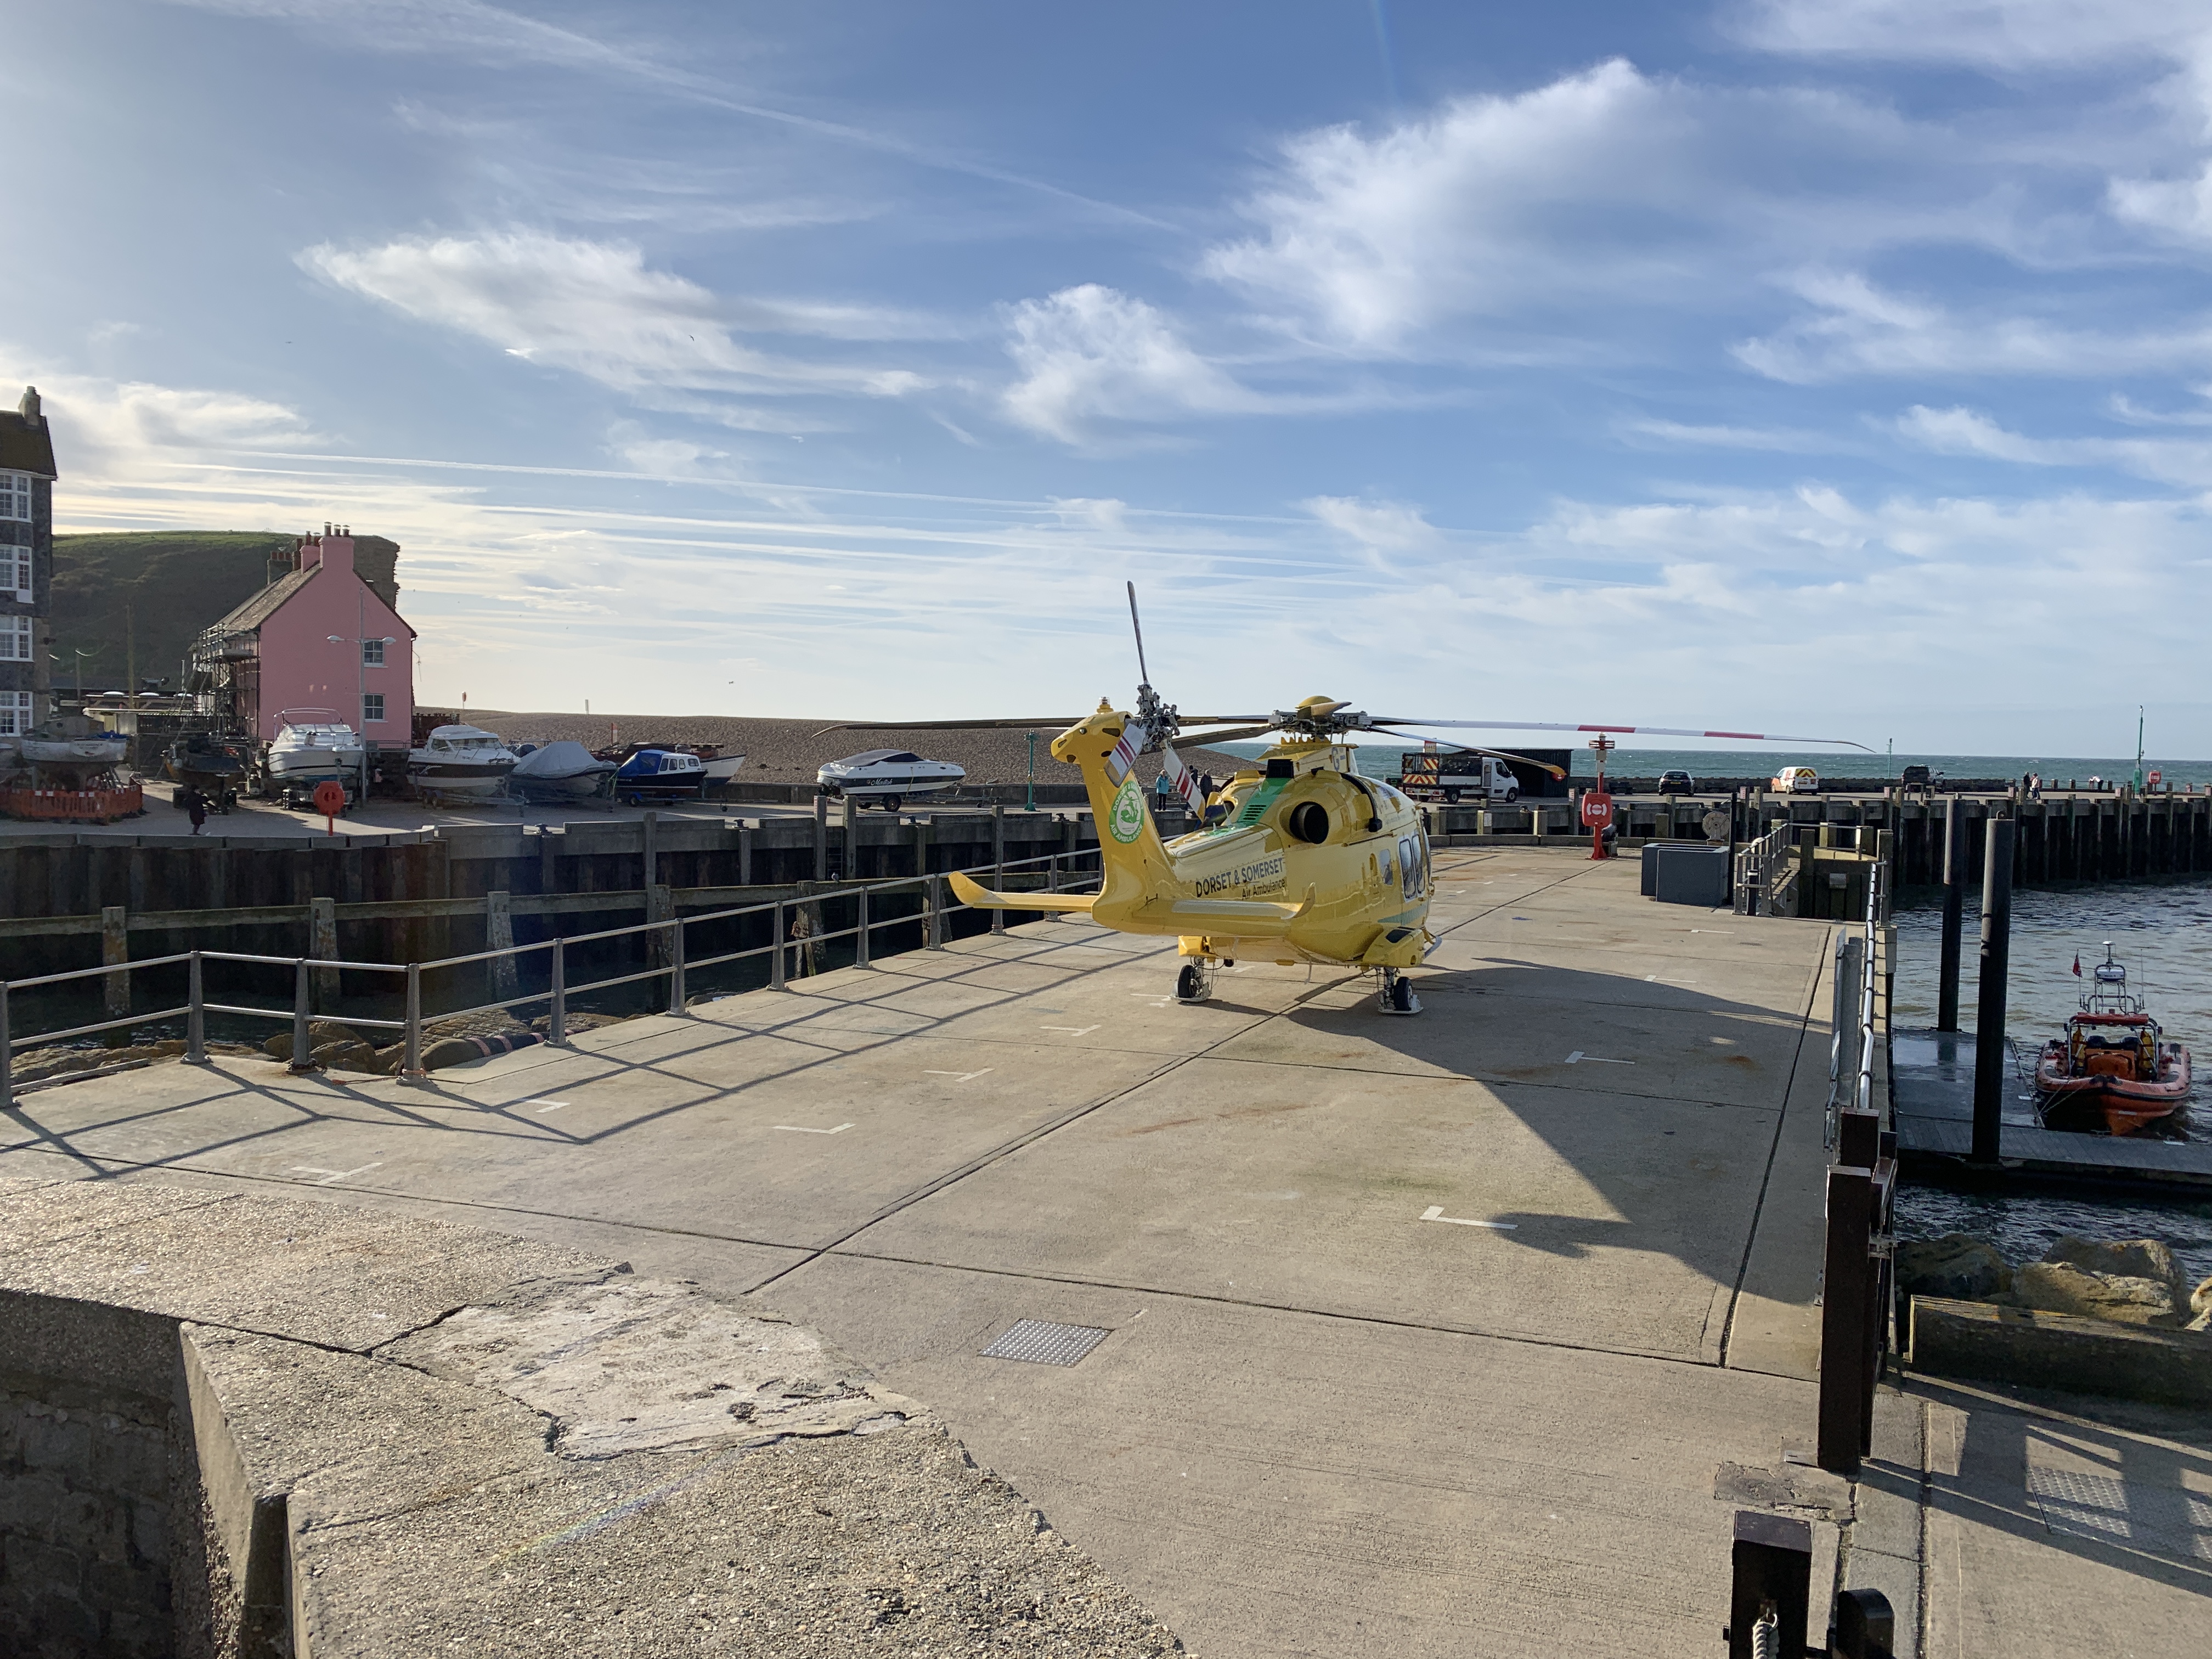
175 584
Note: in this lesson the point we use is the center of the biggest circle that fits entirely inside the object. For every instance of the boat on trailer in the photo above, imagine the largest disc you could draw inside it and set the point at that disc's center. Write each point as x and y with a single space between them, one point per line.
2113 1069
70 751
886 776
660 774
561 770
461 760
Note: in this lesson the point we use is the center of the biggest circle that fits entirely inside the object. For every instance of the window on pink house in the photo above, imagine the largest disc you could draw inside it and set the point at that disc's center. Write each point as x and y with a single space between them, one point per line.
372 709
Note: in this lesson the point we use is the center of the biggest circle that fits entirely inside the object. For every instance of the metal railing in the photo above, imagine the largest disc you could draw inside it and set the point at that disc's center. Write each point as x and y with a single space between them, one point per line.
1851 1031
1060 872
1764 871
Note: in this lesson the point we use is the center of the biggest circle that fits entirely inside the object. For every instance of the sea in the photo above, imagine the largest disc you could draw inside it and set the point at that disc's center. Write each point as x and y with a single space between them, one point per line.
2162 932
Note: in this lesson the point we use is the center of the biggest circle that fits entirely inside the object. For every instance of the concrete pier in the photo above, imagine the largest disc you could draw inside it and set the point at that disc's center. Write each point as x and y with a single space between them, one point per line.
1460 1334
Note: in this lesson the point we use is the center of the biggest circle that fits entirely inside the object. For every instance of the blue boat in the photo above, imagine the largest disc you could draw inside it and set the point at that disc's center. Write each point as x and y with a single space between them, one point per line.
658 775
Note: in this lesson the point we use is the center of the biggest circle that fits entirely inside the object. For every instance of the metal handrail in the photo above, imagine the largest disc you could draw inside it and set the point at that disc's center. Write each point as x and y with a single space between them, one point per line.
196 1007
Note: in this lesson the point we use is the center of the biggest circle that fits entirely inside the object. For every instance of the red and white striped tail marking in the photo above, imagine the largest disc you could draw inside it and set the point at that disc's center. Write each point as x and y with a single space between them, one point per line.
1126 752
1179 779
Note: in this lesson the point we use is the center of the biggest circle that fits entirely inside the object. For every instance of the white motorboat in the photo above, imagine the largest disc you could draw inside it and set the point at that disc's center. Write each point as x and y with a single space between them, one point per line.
887 776
561 771
312 746
462 760
71 750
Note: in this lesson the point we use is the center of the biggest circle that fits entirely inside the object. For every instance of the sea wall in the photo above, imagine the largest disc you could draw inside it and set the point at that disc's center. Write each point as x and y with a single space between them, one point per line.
245 1427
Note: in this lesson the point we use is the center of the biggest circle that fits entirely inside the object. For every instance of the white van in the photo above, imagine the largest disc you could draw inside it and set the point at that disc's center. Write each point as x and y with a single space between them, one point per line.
1797 780
1487 778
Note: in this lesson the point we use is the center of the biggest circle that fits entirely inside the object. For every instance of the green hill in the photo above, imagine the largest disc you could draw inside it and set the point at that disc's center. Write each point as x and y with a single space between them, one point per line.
166 587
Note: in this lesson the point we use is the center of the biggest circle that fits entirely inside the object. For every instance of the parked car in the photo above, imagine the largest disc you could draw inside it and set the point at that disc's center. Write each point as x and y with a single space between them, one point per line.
1677 782
1797 780
1914 777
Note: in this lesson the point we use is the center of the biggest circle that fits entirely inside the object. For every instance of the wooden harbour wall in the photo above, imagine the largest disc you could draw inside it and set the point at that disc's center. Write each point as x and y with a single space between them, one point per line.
416 897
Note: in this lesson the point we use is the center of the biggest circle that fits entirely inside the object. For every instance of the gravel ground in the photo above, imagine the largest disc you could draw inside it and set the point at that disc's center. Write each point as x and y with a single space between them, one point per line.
792 751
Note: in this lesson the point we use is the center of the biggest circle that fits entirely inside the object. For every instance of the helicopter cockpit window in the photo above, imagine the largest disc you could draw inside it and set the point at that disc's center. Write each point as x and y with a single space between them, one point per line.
1387 873
1409 856
1309 822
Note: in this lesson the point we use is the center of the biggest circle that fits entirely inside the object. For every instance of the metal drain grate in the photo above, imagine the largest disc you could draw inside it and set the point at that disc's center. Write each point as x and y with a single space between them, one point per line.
1043 1343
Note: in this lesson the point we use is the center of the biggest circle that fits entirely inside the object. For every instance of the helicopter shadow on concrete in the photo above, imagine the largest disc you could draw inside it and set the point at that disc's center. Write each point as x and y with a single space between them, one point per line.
1615 1113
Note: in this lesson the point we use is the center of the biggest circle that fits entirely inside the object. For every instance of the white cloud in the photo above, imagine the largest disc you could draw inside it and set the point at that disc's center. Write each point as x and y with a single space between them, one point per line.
1092 354
1377 527
123 430
1994 33
1605 192
1791 441
1860 329
597 308
1967 432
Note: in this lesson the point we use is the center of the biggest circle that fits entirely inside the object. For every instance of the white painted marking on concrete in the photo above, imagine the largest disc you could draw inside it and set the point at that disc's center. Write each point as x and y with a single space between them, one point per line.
960 1077
795 1129
1578 1057
1436 1212
331 1177
1071 1031
544 1105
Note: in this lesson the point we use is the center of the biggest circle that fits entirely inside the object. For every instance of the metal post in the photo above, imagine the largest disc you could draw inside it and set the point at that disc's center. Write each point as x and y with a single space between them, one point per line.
323 942
1955 909
300 1062
410 1062
676 964
860 931
1052 872
1842 1316
557 1019
7 1054
1771 1587
195 1015
821 836
933 898
775 957
1991 1073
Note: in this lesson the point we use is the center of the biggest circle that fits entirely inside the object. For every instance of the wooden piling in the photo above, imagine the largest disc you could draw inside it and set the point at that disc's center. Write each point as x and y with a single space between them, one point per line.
323 944
499 935
115 948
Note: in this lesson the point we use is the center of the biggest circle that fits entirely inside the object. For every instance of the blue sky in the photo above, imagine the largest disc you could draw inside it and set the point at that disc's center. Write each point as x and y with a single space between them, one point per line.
1814 365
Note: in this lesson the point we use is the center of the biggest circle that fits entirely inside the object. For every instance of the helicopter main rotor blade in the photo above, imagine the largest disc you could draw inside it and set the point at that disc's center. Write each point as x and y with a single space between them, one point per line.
1046 723
1144 674
1235 734
1642 731
1500 754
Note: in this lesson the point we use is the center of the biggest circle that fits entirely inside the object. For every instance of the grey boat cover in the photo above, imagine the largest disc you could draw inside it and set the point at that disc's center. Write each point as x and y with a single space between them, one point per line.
559 761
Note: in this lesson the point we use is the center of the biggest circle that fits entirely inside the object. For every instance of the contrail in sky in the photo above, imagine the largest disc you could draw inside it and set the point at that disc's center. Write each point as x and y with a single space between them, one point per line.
1384 50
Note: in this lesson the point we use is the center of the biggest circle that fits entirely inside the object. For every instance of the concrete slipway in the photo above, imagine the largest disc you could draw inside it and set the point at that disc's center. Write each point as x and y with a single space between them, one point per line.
1329 1419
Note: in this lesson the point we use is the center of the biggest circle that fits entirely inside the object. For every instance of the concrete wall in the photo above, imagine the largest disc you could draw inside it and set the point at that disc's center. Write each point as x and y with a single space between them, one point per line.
246 1427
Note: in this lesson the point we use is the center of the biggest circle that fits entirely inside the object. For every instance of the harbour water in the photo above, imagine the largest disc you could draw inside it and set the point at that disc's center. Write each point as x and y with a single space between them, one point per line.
2162 931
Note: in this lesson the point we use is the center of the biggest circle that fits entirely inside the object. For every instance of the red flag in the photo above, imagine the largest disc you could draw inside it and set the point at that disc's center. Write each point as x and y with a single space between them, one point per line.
2077 964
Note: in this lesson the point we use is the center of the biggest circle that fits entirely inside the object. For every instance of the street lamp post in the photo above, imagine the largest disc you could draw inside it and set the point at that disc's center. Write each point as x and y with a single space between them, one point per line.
1030 805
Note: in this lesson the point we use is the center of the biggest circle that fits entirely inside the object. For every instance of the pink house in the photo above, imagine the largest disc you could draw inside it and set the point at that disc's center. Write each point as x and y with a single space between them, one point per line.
320 637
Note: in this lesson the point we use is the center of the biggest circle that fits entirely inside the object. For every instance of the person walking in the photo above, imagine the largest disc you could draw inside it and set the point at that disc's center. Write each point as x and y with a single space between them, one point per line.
195 805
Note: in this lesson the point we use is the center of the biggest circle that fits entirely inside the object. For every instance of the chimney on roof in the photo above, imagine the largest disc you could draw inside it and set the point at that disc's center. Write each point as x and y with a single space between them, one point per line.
28 408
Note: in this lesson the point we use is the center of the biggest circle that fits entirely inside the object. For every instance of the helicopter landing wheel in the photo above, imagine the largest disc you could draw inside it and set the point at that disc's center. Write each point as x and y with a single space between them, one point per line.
1194 981
1397 996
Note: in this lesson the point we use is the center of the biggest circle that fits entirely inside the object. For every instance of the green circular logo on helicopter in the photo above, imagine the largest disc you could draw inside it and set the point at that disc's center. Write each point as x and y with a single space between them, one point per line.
1127 821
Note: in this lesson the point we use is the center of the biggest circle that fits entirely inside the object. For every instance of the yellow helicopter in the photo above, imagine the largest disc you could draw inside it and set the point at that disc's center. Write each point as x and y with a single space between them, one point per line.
1298 858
